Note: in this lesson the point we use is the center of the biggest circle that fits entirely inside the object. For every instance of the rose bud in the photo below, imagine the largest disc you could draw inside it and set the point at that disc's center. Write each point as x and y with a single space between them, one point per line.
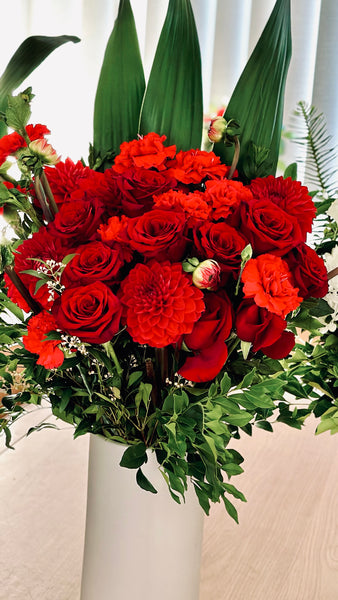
44 151
217 129
207 275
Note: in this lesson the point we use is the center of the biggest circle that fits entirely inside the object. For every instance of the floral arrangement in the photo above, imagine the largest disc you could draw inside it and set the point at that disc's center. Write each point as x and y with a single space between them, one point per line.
157 290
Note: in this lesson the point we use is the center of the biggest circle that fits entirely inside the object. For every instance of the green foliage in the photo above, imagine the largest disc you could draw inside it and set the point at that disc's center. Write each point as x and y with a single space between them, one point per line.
258 99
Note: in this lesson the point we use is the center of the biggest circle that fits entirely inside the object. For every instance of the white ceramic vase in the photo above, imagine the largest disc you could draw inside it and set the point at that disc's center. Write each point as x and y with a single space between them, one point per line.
137 544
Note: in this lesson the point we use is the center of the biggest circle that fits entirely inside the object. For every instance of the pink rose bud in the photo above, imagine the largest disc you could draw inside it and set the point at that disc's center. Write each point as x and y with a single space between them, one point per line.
44 151
217 129
207 275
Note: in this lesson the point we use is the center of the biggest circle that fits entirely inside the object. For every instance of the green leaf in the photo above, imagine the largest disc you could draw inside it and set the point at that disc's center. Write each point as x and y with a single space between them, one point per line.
258 99
230 509
30 54
173 100
225 383
264 425
144 483
134 456
291 171
121 87
240 419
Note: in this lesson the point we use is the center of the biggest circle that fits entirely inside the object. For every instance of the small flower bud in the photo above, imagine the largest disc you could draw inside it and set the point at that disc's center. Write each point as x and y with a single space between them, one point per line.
217 129
44 151
207 275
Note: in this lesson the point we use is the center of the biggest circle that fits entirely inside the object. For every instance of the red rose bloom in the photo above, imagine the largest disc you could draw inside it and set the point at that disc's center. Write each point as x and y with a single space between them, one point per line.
94 262
41 245
146 152
192 166
138 186
50 355
90 312
77 221
207 339
268 228
309 271
225 196
160 304
158 234
288 195
268 280
264 330
12 142
220 242
102 188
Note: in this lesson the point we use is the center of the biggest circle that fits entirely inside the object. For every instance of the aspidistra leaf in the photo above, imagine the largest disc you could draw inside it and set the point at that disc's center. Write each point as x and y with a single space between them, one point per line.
121 86
258 99
173 100
30 54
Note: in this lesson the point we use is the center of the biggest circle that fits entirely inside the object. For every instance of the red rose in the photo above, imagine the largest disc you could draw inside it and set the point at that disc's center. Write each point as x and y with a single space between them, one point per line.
220 242
268 280
138 186
158 234
268 228
94 262
90 312
192 166
77 221
146 152
264 329
41 245
207 339
309 271
159 303
102 188
50 355
290 196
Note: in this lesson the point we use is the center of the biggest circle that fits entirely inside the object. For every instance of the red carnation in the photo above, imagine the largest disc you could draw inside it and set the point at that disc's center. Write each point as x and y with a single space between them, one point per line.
50 355
268 280
225 196
12 142
146 152
290 196
192 166
160 304
194 205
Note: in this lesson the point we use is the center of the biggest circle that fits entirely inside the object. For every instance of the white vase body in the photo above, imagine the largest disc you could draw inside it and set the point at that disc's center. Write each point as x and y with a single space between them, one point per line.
137 544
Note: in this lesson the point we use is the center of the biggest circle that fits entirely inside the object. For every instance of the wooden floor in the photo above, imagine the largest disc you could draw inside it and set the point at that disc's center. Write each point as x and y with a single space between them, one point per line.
285 548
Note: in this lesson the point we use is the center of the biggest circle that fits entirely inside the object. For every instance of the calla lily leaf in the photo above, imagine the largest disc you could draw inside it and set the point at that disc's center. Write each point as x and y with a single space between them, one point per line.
173 101
30 54
121 87
258 99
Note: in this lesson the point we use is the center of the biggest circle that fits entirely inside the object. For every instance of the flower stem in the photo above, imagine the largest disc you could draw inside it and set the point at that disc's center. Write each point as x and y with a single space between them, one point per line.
108 346
15 279
333 273
49 193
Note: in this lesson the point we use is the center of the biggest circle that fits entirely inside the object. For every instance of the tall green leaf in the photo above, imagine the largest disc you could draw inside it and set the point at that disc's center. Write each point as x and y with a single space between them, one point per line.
121 86
30 54
173 101
258 99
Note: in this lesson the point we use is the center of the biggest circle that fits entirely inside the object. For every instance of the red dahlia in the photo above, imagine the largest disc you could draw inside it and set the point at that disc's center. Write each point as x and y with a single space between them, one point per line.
159 303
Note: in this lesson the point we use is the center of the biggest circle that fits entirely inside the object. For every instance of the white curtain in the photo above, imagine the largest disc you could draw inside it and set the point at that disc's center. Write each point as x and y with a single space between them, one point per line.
65 83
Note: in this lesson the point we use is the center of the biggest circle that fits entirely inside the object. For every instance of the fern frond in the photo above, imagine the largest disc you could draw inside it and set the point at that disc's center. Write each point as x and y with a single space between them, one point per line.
319 157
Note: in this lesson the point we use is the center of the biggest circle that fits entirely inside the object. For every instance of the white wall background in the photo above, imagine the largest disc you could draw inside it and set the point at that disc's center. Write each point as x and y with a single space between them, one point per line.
65 83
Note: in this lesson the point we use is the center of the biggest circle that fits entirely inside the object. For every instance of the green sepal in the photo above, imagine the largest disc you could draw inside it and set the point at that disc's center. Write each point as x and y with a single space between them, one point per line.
120 89
173 100
258 99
